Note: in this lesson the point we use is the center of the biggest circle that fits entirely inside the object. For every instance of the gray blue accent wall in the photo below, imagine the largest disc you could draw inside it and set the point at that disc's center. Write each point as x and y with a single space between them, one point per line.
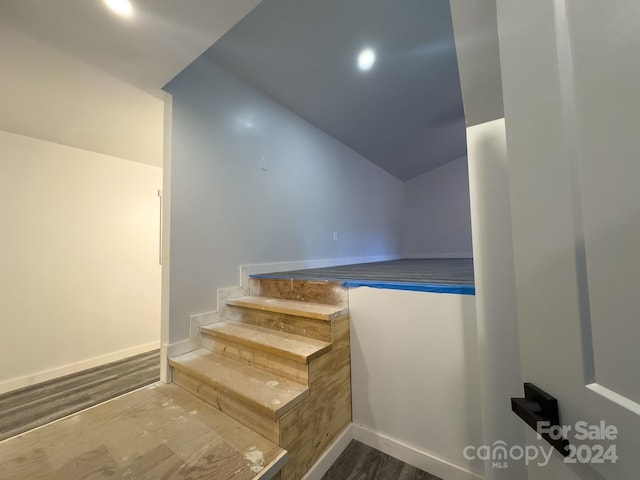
254 183
437 218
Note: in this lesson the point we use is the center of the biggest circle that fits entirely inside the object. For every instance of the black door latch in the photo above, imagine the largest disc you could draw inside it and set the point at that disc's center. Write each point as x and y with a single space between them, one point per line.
538 406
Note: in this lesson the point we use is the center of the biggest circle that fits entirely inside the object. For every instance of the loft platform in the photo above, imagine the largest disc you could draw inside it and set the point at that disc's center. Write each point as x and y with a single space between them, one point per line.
438 275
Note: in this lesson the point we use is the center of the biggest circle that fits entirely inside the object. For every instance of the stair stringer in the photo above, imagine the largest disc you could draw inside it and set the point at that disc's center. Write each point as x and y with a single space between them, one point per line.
308 430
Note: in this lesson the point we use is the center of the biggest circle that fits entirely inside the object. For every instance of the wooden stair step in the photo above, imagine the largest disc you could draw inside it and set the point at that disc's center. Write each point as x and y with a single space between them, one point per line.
183 438
295 347
290 307
270 394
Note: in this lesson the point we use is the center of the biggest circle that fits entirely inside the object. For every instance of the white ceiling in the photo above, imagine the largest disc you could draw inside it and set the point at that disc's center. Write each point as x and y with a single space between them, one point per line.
148 50
405 115
76 74
48 95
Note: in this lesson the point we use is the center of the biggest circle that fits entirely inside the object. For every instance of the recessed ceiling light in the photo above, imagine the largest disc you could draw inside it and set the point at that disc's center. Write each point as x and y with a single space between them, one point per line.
366 59
121 7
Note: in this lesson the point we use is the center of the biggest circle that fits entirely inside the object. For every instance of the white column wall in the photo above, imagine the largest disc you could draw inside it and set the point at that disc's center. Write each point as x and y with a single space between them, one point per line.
498 344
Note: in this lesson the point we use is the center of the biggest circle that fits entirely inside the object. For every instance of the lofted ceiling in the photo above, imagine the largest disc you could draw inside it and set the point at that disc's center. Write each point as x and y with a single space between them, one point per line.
74 73
405 114
147 50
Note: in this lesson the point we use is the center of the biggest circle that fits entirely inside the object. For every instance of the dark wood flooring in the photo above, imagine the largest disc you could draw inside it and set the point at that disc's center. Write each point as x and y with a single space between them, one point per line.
451 271
361 462
31 407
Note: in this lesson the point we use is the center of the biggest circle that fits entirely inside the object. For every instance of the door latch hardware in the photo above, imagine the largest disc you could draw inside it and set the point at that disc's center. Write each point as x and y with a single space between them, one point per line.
538 406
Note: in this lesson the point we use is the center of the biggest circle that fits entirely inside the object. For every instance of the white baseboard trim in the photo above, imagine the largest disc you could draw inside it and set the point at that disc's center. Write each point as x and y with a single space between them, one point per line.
411 455
247 270
207 318
194 341
329 457
196 321
175 350
43 376
229 292
185 346
440 255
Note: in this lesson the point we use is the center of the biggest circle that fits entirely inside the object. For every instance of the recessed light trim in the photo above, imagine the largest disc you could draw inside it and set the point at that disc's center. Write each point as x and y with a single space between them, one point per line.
120 7
366 59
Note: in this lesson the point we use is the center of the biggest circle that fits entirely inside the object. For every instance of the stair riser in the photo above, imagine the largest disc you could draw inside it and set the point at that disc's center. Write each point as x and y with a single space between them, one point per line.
258 422
304 421
307 327
327 293
285 367
308 429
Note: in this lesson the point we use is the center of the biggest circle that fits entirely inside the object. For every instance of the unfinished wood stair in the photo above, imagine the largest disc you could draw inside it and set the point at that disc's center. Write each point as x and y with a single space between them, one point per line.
289 307
281 367
228 380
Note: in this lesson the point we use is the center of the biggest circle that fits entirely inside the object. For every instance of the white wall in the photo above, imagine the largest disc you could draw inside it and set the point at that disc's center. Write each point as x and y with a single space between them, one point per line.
80 281
437 219
498 342
226 211
414 368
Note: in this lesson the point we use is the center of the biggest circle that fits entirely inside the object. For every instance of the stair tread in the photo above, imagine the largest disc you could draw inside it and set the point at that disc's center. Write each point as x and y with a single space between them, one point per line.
290 307
295 347
159 431
271 394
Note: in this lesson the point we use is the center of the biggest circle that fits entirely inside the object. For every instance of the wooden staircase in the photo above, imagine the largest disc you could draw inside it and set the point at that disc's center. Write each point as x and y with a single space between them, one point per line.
280 365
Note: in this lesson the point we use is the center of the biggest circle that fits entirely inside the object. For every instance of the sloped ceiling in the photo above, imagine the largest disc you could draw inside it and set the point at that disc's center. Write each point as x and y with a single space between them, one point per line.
76 74
405 114
147 50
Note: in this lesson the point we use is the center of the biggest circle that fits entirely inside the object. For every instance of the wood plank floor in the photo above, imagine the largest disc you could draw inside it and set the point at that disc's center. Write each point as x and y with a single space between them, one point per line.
31 407
361 462
157 432
455 271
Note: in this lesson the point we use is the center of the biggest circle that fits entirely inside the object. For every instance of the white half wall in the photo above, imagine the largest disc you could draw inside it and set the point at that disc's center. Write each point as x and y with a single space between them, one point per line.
80 281
254 183
437 219
414 371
